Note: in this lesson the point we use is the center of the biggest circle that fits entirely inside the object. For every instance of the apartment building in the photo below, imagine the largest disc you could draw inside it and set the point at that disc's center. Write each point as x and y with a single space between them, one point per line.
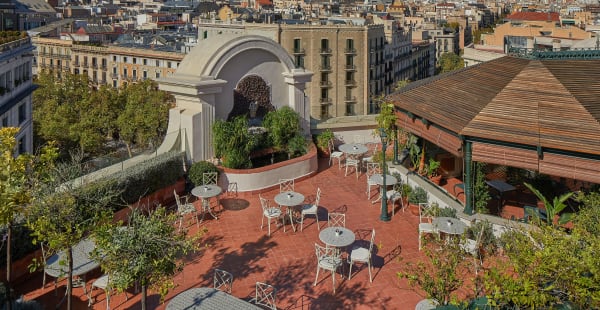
354 60
106 65
16 89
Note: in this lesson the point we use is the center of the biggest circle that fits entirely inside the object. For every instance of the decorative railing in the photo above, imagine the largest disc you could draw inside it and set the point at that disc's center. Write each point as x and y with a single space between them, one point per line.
533 53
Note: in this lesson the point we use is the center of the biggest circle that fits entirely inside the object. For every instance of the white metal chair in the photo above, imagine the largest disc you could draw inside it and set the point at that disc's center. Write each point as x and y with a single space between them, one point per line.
368 158
362 255
286 185
223 280
265 296
395 195
425 225
311 209
327 259
269 212
335 219
333 154
184 208
103 283
352 163
232 189
210 178
372 168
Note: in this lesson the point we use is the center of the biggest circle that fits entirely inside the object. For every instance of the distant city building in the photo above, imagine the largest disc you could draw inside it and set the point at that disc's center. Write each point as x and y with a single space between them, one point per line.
16 90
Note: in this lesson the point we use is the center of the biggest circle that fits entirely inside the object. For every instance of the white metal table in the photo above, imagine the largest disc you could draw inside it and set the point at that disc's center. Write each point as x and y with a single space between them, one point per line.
206 192
353 149
289 200
338 237
207 299
449 225
57 267
378 179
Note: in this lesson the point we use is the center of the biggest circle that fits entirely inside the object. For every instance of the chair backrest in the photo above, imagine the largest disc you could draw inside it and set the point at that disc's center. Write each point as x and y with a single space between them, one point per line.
178 201
322 252
232 189
373 168
424 216
210 178
336 219
358 139
372 240
318 197
286 185
330 146
264 202
265 295
223 280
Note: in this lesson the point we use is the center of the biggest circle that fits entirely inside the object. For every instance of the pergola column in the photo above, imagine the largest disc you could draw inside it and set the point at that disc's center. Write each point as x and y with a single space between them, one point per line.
468 179
296 81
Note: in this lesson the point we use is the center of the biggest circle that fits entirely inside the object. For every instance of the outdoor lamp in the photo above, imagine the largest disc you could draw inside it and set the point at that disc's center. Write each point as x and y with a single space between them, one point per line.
384 211
395 161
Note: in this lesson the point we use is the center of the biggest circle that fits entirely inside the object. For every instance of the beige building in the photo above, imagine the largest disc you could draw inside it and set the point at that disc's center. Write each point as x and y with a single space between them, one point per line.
105 65
354 60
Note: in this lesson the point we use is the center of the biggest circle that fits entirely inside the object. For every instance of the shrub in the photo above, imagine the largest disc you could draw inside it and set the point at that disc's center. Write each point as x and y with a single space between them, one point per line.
488 240
297 146
418 195
282 125
149 176
198 169
323 139
237 159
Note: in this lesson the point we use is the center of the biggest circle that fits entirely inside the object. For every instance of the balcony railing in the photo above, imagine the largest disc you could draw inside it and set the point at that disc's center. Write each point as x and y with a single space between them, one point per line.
326 84
325 100
350 68
350 50
325 68
325 50
350 83
350 99
299 51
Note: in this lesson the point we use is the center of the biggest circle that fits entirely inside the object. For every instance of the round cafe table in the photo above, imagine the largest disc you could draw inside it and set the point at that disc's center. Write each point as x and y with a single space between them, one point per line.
449 225
206 192
353 149
289 200
378 179
329 236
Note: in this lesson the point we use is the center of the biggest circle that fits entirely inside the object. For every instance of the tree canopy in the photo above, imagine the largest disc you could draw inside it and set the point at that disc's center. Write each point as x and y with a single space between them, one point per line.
68 111
449 62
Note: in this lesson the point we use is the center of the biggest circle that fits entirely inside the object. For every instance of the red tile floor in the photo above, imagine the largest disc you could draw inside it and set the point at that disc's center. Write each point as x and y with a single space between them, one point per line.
287 260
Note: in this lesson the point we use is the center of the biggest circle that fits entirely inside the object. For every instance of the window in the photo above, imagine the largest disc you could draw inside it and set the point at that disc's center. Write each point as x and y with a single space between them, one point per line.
299 61
5 121
134 74
157 75
349 60
145 74
115 70
297 45
324 44
125 59
158 63
350 44
114 58
324 93
115 83
324 111
168 64
22 145
324 77
134 60
22 113
145 62
350 109
125 72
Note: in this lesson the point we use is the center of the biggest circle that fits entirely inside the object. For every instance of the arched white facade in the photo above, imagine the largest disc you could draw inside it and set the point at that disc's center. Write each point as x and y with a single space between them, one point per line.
204 82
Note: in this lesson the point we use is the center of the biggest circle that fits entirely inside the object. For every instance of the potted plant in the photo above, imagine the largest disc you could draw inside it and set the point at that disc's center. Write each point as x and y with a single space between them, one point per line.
417 196
322 140
433 171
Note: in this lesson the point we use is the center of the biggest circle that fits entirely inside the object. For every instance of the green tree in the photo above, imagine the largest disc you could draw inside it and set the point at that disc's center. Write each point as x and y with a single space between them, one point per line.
282 125
449 62
232 140
144 119
147 251
16 174
62 213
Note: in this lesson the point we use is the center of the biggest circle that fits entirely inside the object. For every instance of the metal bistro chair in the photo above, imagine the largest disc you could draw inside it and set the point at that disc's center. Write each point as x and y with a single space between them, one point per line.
395 195
102 283
311 209
354 163
336 219
362 255
265 296
223 280
329 259
286 185
269 213
333 154
210 178
184 208
372 168
425 225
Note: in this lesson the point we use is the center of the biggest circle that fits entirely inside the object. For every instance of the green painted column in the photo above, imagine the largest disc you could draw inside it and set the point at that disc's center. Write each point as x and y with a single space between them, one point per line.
468 178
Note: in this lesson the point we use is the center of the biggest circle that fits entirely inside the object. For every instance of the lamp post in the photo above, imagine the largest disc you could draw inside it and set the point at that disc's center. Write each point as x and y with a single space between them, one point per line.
384 211
396 161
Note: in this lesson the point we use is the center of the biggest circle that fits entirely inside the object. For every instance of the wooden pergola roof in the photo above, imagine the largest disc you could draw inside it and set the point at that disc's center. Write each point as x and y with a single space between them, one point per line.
552 104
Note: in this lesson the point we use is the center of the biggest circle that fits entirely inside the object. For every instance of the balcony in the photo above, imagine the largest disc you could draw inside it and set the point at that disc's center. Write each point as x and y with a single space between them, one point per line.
325 68
298 51
114 75
350 51
86 65
350 99
350 83
103 67
325 84
325 51
95 66
325 101
350 68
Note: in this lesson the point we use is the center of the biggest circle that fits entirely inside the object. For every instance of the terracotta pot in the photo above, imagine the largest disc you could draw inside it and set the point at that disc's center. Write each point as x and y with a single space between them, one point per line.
436 179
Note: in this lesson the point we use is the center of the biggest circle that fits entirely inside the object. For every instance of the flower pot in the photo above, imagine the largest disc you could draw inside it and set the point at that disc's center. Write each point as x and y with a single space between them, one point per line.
436 179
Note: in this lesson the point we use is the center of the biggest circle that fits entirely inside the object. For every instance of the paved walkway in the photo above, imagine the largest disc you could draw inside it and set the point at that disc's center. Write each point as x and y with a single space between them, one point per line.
287 260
